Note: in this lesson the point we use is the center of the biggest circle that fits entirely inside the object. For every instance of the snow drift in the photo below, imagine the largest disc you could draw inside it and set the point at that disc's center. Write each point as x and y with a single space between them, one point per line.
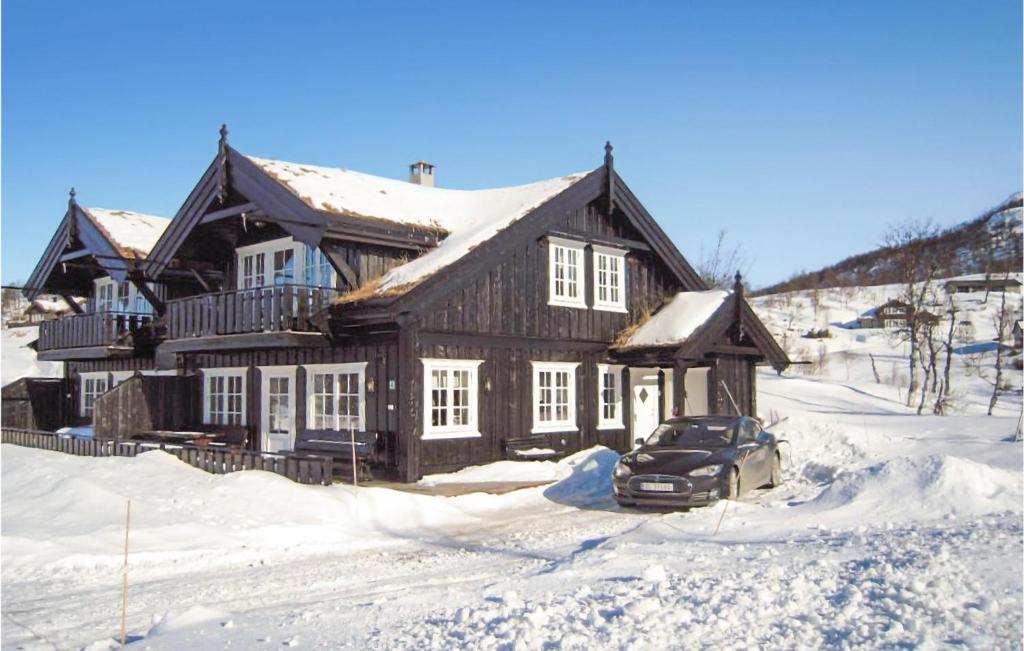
932 486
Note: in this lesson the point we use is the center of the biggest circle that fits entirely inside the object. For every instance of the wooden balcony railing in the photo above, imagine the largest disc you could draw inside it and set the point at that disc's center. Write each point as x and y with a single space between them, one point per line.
98 329
264 309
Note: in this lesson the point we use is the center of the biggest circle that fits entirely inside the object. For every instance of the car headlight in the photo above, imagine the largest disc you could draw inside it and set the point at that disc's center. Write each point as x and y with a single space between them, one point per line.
622 471
705 471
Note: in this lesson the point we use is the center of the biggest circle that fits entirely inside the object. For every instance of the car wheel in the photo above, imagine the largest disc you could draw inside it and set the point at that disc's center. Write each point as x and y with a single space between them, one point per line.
776 479
733 488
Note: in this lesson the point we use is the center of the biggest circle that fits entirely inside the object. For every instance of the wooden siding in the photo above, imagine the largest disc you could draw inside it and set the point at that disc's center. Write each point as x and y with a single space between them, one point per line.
506 411
36 403
512 297
738 375
366 260
144 403
381 356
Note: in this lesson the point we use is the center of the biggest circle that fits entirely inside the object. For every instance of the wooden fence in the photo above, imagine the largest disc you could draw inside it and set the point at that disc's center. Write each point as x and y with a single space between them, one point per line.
305 469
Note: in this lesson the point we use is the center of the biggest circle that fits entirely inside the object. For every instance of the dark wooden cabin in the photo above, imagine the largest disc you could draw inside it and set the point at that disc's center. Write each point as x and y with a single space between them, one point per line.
456 326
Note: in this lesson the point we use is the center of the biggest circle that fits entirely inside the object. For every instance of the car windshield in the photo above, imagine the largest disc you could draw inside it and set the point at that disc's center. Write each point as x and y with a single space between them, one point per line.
697 433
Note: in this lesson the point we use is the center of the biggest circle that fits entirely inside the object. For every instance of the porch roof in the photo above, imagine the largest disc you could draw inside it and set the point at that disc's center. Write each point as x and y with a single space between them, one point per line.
691 330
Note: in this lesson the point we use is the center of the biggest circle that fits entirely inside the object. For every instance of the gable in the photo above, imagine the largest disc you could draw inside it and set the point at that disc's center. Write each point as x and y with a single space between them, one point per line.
538 223
82 231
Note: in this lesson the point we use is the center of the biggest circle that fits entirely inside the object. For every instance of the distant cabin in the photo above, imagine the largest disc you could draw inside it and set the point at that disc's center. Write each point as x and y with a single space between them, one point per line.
981 282
893 314
303 304
49 308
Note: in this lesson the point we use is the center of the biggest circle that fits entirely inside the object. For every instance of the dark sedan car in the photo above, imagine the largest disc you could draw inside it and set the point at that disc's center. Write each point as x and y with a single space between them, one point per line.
696 460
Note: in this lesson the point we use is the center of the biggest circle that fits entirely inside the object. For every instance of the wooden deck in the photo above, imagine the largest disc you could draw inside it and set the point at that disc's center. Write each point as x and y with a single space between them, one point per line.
265 309
92 330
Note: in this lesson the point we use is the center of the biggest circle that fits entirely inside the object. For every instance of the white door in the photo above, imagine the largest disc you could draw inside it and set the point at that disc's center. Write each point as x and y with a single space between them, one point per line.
644 386
277 424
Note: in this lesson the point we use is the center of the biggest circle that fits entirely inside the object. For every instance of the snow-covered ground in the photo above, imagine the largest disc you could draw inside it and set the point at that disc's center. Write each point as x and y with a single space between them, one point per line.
19 360
892 530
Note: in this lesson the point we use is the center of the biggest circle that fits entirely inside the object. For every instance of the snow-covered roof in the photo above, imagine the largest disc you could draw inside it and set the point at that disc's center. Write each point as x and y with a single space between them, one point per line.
994 277
468 217
134 234
53 305
676 322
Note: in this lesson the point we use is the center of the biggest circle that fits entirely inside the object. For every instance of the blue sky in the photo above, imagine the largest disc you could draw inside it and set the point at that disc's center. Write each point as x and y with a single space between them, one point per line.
803 129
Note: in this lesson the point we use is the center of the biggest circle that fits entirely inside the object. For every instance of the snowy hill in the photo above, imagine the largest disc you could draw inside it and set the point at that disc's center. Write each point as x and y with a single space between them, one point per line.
846 355
988 243
892 530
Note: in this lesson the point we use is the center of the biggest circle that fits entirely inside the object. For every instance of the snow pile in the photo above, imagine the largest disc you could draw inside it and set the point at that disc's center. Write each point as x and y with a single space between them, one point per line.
181 512
675 322
590 483
19 360
134 234
932 486
466 217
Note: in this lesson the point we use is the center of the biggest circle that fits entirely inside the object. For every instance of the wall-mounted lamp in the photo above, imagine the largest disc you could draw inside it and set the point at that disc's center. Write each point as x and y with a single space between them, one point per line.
371 385
487 385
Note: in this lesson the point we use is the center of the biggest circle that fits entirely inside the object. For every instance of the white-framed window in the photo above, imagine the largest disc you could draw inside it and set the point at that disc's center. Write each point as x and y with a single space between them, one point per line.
120 298
91 386
267 263
609 396
283 262
318 270
336 396
104 294
896 323
554 396
224 396
567 284
891 310
450 398
609 279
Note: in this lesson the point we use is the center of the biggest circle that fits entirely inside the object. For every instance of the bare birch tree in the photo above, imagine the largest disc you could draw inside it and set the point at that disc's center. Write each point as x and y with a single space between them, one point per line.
916 267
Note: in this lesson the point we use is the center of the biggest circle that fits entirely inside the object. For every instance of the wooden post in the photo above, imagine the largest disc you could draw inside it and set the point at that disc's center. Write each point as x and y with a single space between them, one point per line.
124 589
355 473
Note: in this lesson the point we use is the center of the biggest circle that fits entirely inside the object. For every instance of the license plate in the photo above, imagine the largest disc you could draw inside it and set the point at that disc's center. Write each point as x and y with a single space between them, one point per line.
657 486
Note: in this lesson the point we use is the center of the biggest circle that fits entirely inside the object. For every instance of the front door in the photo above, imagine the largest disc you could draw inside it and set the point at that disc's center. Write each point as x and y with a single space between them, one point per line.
277 424
644 386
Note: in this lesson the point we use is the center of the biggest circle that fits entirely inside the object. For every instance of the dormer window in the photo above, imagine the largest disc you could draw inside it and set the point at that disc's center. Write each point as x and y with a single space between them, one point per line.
567 286
609 279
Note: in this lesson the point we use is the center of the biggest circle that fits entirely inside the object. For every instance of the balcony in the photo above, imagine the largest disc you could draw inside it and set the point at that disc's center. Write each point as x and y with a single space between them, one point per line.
278 309
93 336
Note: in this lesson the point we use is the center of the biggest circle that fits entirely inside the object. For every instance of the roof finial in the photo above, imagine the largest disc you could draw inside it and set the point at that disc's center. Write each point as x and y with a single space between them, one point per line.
222 155
609 172
71 197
